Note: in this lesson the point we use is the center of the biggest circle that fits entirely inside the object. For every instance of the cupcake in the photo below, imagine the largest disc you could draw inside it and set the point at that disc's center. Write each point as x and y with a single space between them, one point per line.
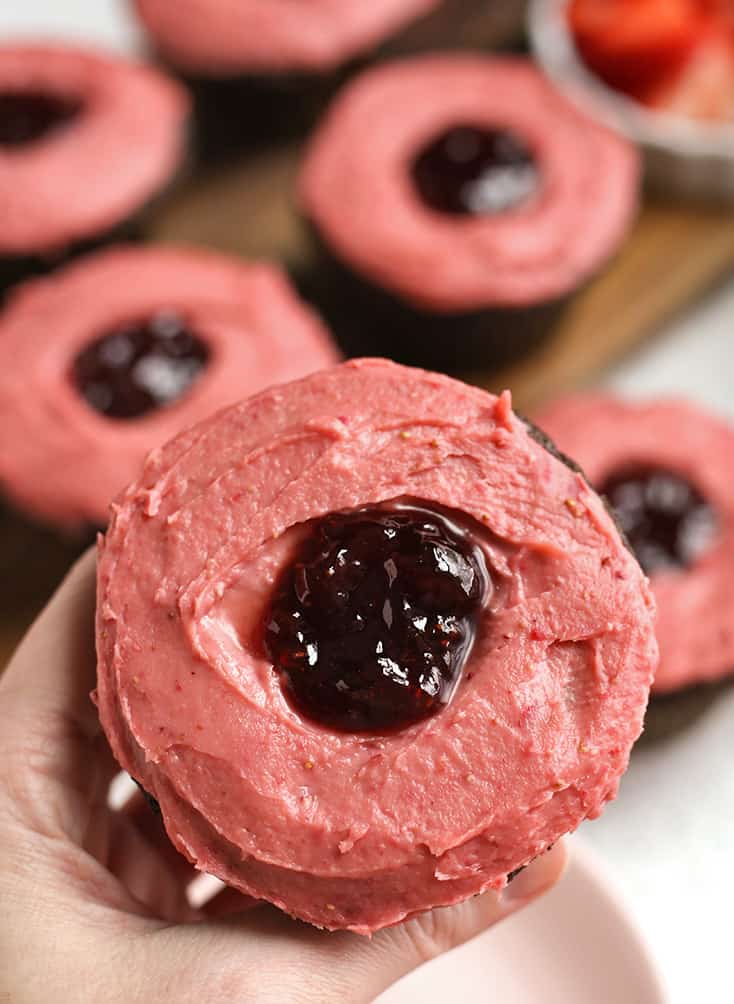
114 354
664 467
369 644
266 69
86 142
457 203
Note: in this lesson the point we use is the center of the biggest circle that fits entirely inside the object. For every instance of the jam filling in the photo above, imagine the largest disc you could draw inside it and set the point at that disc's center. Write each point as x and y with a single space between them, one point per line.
137 367
26 117
371 625
472 171
667 521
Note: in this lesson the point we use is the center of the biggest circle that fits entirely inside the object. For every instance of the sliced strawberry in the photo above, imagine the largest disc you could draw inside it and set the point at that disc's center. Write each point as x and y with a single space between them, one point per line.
633 44
704 89
722 13
719 8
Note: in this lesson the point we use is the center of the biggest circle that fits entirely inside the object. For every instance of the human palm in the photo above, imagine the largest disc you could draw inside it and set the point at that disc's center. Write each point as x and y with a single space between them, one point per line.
94 899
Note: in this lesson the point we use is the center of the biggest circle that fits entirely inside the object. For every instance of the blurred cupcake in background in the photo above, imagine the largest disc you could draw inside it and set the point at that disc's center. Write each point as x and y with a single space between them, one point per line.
667 469
457 203
86 142
662 70
263 70
115 354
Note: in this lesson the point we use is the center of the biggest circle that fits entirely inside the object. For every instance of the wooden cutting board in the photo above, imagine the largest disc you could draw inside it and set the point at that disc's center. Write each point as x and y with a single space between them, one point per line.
673 257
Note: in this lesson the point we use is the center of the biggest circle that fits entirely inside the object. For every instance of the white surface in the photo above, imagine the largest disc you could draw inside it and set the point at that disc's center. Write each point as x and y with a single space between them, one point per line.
669 839
575 946
109 23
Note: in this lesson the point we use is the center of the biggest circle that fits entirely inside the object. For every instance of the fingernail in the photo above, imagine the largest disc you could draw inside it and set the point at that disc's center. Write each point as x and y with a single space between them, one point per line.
537 878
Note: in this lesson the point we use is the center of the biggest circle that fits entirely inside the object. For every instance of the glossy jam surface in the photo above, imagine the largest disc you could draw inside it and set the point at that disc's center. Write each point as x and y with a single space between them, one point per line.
137 367
474 171
667 521
371 625
26 117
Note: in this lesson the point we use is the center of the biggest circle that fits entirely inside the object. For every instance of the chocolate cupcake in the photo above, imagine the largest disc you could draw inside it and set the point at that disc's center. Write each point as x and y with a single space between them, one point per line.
86 141
457 202
369 645
263 70
113 355
665 469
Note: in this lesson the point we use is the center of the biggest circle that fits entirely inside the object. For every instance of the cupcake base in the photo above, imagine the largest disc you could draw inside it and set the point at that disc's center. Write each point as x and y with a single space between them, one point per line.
237 114
17 268
668 715
240 113
367 319
33 561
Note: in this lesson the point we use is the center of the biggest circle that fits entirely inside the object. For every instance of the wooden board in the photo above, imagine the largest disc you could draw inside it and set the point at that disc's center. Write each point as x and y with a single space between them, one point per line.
674 255
672 258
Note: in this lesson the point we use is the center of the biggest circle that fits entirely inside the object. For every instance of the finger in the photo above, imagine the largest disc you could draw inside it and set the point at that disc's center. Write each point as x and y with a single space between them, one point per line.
227 902
108 770
342 966
49 727
150 826
144 872
53 669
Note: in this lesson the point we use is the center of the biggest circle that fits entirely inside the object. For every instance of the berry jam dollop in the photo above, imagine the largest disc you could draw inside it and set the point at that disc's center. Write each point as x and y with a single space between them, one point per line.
667 521
26 117
473 171
137 367
370 626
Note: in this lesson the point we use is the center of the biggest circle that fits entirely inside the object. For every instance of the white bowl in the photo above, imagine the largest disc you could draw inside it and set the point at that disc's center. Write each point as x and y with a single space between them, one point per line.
576 945
683 157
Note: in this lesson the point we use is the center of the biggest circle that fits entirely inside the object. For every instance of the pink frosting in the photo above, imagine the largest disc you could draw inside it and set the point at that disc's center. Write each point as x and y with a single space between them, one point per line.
695 628
236 36
63 461
356 185
104 166
349 830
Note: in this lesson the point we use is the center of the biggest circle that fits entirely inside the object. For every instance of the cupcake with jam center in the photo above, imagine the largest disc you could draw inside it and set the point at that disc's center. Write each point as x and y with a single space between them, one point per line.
259 69
457 202
86 141
113 355
664 468
370 645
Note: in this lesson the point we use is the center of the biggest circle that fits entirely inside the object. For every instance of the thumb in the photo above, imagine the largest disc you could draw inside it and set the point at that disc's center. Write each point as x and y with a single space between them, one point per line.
309 966
395 952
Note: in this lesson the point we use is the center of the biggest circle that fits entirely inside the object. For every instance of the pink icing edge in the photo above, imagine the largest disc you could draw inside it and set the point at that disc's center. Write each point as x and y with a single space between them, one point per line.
62 462
603 431
125 147
218 40
390 891
343 183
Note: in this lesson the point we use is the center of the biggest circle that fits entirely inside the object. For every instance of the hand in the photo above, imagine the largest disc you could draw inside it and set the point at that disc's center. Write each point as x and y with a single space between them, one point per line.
94 905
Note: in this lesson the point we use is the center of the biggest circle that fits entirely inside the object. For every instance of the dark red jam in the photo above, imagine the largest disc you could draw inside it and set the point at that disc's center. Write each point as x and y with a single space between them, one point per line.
667 521
370 626
28 116
140 366
473 171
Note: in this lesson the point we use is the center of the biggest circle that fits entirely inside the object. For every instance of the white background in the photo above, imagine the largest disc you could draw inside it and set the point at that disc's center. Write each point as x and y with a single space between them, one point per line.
668 841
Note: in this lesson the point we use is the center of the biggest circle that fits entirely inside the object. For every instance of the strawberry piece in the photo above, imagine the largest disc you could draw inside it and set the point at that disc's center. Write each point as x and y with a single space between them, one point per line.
704 89
634 44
